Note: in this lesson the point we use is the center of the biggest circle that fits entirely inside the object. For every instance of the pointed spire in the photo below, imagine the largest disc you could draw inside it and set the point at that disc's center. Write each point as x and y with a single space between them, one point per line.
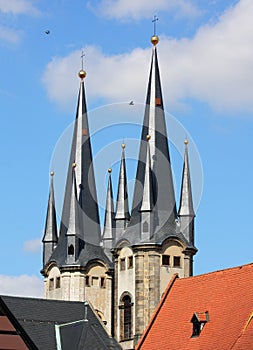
122 209
81 154
154 125
148 198
186 202
50 238
186 211
109 234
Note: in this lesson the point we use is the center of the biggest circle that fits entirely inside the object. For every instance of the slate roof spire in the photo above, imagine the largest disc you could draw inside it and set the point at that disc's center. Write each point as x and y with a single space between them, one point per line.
122 209
186 211
74 229
81 154
162 182
109 223
50 237
147 203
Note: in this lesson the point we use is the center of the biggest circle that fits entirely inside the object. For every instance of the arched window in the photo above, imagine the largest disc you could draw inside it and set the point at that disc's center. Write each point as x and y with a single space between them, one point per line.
127 317
145 226
71 250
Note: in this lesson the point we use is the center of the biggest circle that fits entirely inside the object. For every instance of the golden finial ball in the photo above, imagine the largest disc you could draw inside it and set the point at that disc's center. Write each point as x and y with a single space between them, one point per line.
109 170
154 40
74 165
82 74
186 142
148 137
52 173
123 145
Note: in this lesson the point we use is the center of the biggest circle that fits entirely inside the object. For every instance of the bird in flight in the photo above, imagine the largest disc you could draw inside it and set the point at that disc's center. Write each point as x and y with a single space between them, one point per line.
47 31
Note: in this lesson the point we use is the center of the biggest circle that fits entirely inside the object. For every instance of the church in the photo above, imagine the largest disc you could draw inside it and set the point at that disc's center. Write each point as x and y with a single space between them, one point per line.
123 269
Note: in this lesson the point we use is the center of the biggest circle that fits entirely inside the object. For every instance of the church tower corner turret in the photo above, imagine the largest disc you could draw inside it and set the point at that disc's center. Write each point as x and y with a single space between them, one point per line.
186 212
50 237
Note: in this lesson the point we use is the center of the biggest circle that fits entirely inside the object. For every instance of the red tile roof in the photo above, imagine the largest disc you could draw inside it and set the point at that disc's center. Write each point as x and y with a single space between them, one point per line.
226 295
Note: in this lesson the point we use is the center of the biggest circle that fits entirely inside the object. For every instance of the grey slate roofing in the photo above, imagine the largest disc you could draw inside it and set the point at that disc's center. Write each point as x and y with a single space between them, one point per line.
165 213
88 252
81 154
122 208
108 233
186 202
36 319
80 208
50 232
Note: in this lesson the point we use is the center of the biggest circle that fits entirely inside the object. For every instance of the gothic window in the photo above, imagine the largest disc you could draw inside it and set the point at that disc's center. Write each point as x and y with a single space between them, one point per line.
71 250
145 227
127 317
51 284
176 261
95 281
58 282
130 262
102 282
166 260
122 264
87 281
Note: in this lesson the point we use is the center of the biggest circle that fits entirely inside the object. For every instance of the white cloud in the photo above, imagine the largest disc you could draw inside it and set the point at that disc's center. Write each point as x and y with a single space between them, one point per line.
131 9
9 35
18 7
32 246
23 285
215 67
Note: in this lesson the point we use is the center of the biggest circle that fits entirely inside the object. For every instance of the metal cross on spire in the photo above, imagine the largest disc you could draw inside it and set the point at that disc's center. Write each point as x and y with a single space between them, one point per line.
82 56
154 21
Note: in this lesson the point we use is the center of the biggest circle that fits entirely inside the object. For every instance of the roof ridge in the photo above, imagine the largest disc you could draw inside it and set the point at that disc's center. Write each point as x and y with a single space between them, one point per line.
217 271
40 299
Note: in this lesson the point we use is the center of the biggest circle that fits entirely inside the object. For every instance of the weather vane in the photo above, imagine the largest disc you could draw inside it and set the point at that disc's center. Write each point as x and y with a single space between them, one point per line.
82 56
154 21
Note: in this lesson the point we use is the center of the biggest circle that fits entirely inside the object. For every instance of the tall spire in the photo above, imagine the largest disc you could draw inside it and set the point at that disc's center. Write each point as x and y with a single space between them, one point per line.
109 233
86 190
154 125
50 238
186 211
122 210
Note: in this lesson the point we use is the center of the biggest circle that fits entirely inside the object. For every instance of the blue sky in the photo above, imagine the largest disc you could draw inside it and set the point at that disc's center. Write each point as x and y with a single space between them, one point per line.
206 59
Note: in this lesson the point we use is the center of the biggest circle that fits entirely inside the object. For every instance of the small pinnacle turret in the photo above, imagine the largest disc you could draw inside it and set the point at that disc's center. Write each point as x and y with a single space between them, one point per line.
50 238
122 209
147 204
186 210
109 223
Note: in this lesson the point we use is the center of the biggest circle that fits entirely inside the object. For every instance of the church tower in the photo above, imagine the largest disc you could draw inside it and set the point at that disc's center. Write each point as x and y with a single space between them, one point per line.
153 246
75 266
124 272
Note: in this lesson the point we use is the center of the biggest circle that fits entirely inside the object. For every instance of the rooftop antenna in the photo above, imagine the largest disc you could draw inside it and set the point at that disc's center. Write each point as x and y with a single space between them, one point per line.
154 21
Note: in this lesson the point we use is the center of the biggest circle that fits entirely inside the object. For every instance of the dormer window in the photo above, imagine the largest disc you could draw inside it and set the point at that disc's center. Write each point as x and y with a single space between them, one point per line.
199 319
